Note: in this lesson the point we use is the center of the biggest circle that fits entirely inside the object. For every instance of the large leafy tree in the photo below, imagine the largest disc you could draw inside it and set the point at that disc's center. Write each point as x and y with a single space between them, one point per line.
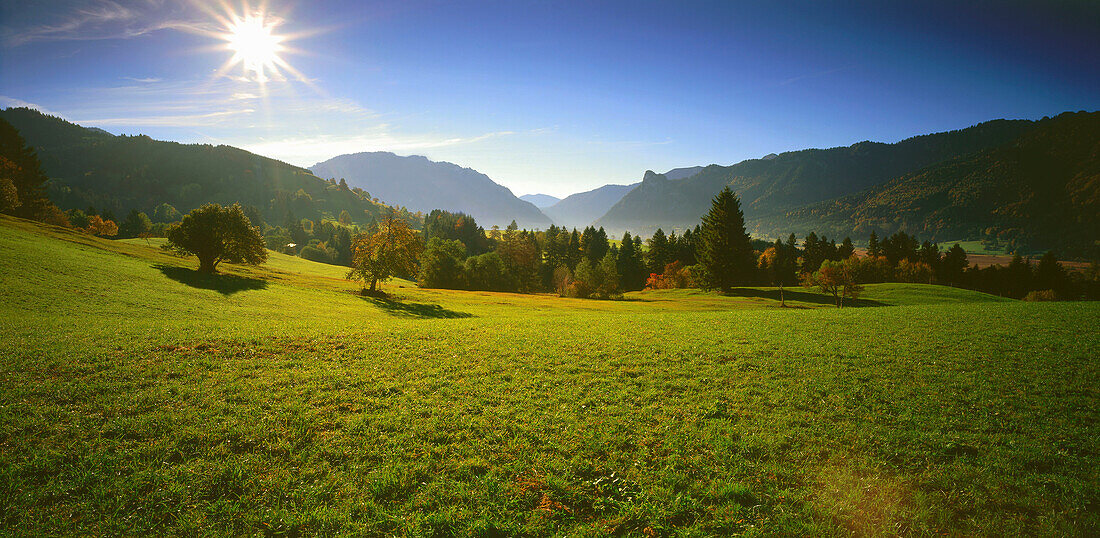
725 250
441 264
390 248
522 256
216 234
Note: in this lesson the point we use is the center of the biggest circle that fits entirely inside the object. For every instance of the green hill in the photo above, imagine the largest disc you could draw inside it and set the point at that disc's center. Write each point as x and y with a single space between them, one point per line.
770 186
89 167
1040 192
137 397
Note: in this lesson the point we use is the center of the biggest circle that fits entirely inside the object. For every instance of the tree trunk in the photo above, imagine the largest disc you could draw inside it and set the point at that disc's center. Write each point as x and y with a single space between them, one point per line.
207 265
782 303
373 284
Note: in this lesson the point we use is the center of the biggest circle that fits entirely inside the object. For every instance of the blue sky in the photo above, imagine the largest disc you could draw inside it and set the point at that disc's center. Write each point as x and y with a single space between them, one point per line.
554 97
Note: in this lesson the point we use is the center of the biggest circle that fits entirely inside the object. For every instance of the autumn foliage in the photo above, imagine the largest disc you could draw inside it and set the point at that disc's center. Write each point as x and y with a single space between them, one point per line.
101 228
675 276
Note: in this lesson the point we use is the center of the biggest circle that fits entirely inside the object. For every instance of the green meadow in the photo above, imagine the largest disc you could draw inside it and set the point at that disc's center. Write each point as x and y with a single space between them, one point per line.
138 397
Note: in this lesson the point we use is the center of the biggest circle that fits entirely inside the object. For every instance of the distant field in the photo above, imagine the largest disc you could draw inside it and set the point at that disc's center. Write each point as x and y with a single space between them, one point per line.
975 247
137 397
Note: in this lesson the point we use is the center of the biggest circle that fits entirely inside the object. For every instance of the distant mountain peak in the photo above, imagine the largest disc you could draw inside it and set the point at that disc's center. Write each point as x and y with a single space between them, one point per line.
420 184
540 200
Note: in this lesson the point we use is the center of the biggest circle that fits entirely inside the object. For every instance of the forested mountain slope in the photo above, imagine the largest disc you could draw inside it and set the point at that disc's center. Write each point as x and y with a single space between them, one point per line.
769 187
1039 192
90 167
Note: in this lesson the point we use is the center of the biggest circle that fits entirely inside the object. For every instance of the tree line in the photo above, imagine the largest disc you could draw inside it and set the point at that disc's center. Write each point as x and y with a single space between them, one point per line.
452 251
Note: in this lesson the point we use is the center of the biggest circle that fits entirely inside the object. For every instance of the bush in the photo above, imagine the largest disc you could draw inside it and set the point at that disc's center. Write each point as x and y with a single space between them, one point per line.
914 272
1041 295
578 289
676 276
316 254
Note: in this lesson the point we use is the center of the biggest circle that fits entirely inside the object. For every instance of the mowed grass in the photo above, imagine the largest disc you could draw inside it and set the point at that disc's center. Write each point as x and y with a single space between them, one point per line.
137 397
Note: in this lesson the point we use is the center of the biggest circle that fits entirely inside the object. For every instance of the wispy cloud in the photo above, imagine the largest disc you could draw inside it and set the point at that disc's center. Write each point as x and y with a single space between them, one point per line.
168 120
101 19
306 151
146 80
6 102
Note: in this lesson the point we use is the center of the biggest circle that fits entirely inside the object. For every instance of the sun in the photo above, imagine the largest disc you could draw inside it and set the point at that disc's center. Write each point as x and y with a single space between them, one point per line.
255 45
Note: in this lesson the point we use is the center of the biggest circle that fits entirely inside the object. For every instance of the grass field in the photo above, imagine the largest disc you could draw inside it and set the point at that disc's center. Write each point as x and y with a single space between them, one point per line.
137 397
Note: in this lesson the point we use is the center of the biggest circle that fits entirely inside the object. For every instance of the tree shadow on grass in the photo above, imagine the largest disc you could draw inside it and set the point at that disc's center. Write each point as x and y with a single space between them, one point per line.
801 296
394 307
224 284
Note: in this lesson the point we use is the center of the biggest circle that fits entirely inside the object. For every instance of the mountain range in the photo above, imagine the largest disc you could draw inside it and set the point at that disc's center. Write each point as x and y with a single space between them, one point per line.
1031 184
769 187
582 209
423 185
1039 192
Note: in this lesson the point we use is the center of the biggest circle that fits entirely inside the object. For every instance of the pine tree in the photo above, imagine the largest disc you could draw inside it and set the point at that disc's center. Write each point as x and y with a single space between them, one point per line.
658 254
24 183
630 266
725 250
874 248
846 249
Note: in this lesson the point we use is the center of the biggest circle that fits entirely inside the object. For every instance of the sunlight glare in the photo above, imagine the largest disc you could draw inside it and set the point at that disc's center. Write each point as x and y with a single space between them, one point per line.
254 45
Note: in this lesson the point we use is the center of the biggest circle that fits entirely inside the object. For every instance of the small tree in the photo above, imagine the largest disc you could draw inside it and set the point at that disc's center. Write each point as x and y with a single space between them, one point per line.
135 225
166 213
836 279
777 265
215 234
391 248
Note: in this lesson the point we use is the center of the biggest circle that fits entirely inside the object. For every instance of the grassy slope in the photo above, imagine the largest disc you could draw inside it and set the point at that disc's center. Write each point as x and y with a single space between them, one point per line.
135 397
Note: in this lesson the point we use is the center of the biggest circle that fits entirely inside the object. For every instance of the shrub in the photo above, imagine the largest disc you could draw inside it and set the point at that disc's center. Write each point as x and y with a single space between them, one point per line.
675 276
1041 295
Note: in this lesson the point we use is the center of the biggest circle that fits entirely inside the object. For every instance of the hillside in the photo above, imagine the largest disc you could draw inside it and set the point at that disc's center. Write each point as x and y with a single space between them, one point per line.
90 167
768 187
423 185
1040 192
140 396
540 200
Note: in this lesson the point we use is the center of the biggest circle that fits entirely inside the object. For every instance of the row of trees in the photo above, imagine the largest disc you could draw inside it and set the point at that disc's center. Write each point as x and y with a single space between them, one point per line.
588 264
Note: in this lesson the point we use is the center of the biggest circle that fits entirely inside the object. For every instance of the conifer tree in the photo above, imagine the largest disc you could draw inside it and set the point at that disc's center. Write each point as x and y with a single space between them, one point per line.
630 266
846 249
658 254
725 250
874 248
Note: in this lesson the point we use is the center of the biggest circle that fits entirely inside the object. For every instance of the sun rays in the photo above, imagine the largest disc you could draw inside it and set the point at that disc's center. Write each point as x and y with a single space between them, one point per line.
257 46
